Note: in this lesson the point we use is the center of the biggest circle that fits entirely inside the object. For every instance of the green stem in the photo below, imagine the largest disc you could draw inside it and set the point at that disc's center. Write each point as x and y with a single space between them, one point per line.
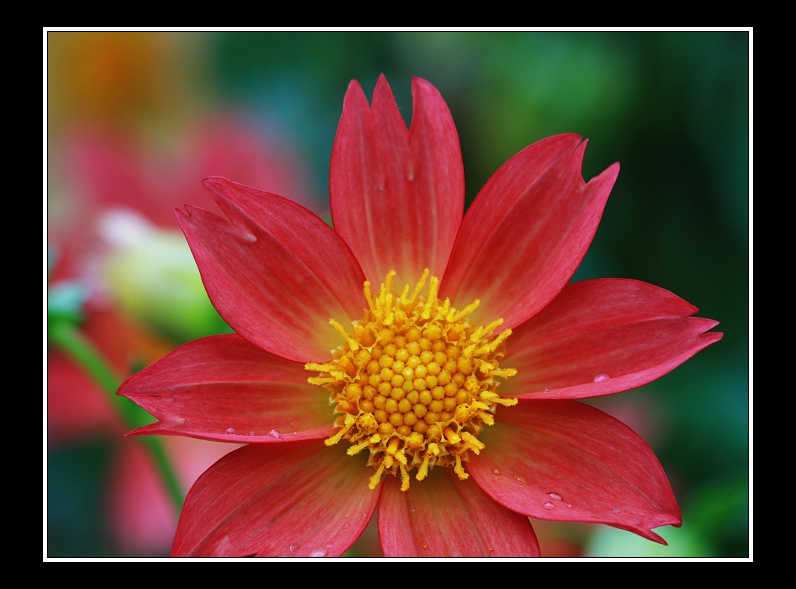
81 350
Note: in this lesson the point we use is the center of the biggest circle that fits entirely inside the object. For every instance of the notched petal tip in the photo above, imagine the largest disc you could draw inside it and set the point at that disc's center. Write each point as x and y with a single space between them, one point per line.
423 85
354 99
676 520
213 182
184 214
650 535
607 177
713 336
155 428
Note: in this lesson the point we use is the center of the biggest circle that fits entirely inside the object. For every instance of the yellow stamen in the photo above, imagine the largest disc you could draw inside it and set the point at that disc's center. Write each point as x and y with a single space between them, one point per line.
376 478
459 469
404 478
453 316
420 284
349 422
357 448
414 382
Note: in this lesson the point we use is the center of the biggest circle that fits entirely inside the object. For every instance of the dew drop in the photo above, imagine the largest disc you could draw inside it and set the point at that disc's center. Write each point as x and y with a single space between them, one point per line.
293 547
546 391
601 377
424 546
318 553
230 431
555 496
518 478
548 505
274 434
180 421
569 505
617 509
347 525
495 471
251 433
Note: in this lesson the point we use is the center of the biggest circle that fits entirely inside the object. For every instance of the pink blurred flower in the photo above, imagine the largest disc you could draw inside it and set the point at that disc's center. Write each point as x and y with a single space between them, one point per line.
96 173
97 168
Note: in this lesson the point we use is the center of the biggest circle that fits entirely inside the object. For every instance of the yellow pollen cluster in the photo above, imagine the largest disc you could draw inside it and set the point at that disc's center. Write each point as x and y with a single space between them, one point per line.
414 383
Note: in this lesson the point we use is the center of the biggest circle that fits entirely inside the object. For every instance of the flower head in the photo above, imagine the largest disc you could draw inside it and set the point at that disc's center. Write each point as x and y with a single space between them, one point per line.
414 360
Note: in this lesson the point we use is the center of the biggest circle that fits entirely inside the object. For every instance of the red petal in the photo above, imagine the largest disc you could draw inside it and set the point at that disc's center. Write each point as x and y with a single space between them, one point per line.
300 499
527 231
274 271
224 388
445 516
603 336
397 196
567 461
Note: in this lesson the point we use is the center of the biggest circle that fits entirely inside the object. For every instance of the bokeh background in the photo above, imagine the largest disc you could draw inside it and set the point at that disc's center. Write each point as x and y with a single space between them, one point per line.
135 120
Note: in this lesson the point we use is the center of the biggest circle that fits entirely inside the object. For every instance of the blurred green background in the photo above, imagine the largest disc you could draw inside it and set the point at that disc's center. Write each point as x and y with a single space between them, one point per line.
671 106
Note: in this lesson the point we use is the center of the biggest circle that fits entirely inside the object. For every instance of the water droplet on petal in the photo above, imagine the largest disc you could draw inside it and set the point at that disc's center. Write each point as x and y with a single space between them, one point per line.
617 509
495 471
601 377
251 433
555 496
293 547
546 391
230 431
548 505
180 421
347 525
569 505
274 434
318 553
424 546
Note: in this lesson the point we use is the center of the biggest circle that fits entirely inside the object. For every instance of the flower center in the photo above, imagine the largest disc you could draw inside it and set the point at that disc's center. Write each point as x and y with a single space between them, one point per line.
414 382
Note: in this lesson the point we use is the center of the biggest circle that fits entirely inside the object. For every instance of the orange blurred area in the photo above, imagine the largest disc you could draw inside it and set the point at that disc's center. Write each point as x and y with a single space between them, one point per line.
113 76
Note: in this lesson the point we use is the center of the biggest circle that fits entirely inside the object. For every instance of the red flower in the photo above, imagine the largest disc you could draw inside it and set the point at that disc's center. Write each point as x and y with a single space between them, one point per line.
467 358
